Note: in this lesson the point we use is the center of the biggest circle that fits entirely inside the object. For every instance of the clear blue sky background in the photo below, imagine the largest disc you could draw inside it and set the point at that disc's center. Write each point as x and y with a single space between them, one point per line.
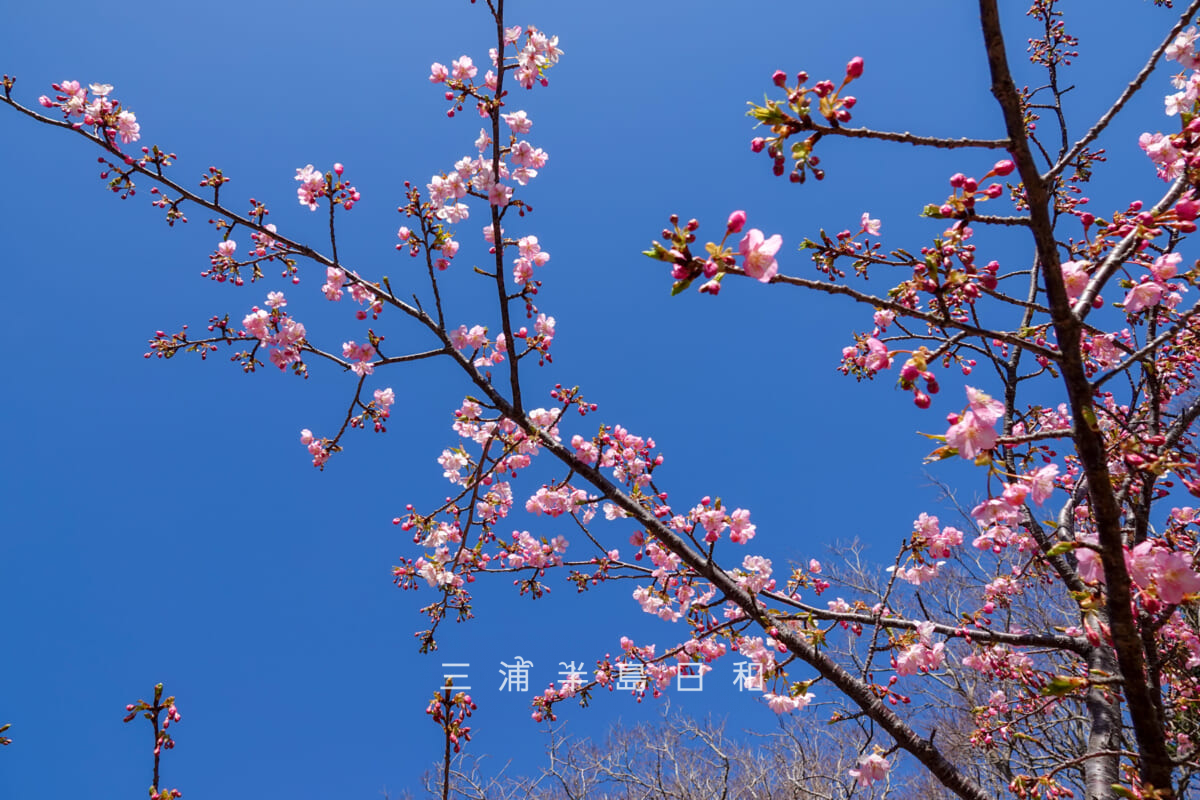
161 522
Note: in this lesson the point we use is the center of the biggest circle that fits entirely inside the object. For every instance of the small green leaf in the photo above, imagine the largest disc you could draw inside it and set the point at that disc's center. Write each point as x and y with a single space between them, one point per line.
657 252
1061 685
680 286
1062 547
941 454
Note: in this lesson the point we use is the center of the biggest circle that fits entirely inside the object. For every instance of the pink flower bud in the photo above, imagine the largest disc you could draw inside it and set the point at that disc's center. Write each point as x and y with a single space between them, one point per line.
757 144
779 78
957 180
736 221
1004 167
854 69
1187 209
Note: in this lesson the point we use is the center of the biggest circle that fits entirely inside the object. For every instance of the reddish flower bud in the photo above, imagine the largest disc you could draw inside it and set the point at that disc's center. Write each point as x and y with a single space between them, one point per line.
1004 167
757 144
736 221
779 78
1187 209
854 69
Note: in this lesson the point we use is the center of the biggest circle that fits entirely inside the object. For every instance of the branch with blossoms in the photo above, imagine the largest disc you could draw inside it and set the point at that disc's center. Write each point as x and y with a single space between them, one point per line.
945 291
160 713
1084 612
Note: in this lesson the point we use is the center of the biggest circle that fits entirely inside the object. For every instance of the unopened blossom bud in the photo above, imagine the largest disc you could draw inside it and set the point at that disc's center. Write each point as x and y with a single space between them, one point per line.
957 180
45 101
854 69
757 144
994 191
849 101
1187 209
1004 167
339 169
921 399
779 78
736 221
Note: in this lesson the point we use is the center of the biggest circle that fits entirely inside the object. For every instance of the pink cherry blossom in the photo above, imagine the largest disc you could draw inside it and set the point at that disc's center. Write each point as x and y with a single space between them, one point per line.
971 436
782 704
1143 296
518 121
741 530
987 409
1075 278
1041 483
871 768
462 69
878 357
127 127
312 186
760 254
870 226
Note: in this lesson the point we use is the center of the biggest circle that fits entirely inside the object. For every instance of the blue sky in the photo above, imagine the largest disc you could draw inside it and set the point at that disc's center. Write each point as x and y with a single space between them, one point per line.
161 521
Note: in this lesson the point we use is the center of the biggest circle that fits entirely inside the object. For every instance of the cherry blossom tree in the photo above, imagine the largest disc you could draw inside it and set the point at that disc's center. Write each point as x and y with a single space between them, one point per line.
1056 624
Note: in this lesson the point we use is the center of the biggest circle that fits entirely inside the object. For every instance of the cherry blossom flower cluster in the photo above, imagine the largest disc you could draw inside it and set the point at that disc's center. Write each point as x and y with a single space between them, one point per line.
160 713
92 106
757 252
1017 558
967 191
338 282
794 115
924 655
872 767
450 712
276 330
1172 154
1162 574
974 430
